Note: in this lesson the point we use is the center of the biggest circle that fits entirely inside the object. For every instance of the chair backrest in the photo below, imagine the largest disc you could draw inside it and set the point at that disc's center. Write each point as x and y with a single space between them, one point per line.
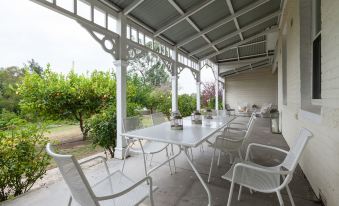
131 123
250 126
292 158
227 107
250 120
74 178
158 118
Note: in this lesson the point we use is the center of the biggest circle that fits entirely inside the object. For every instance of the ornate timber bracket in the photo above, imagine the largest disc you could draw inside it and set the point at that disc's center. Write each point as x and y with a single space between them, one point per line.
109 41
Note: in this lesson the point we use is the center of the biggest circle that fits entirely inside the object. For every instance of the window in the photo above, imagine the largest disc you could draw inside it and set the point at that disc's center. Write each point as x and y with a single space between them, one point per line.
316 41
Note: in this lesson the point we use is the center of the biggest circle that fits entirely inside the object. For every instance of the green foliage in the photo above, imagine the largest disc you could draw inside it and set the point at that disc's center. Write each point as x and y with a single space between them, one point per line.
187 104
23 160
34 67
150 70
8 120
56 96
9 79
102 129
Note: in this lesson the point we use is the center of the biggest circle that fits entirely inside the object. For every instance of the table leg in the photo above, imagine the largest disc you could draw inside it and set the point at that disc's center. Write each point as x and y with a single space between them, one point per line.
198 175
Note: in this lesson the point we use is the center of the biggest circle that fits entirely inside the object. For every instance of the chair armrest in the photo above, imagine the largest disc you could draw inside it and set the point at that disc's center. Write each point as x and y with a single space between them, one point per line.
259 169
147 179
262 146
104 160
239 123
228 138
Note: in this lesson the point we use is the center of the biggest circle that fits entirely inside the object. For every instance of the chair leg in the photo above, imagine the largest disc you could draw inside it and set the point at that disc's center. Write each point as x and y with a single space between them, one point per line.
192 154
290 195
230 195
150 162
281 202
239 195
125 156
169 162
172 153
240 155
210 173
231 158
218 162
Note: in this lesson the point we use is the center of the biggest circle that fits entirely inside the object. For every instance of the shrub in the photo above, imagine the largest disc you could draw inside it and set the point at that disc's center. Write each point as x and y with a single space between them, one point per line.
187 104
102 129
22 160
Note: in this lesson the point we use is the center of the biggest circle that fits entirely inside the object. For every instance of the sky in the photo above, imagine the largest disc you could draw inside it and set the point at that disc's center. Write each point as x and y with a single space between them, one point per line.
30 31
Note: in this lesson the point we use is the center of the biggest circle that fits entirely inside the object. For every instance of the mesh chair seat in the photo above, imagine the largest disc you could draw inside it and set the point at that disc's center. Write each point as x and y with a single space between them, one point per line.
148 147
227 146
254 179
117 182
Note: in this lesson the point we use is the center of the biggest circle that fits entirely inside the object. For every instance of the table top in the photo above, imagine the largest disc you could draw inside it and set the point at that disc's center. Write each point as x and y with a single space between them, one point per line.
191 136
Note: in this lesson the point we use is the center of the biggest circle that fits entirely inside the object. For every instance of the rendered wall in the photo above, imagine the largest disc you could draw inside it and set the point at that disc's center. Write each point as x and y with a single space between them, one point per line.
320 161
253 87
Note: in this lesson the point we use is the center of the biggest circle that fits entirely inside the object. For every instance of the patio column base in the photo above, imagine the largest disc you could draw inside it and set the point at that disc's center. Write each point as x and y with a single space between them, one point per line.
119 153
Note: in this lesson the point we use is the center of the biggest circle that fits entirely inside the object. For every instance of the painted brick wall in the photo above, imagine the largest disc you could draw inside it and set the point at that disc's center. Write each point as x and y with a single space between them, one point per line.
253 87
320 161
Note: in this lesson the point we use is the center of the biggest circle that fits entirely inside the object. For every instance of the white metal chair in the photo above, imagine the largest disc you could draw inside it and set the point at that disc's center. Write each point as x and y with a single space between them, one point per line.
229 144
229 110
158 118
239 126
113 189
268 179
141 147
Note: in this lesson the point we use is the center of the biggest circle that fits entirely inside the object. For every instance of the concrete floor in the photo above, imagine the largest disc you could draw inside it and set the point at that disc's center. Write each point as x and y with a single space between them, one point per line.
184 188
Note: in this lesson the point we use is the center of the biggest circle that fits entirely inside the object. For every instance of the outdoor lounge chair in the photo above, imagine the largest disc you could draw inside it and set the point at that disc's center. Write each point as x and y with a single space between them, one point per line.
230 143
113 189
268 179
229 110
142 147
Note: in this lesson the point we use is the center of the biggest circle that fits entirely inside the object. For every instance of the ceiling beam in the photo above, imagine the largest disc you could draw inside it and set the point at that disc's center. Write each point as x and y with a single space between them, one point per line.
177 7
222 22
230 35
246 61
248 67
184 16
230 7
132 6
242 42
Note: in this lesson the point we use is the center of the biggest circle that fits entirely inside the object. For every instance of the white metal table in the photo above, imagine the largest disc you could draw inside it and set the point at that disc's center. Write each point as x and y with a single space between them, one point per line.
192 135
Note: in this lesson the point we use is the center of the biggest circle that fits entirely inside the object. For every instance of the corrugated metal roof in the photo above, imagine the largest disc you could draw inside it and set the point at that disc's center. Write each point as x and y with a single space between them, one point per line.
205 53
259 28
180 31
258 13
255 49
196 44
155 13
231 54
228 42
222 31
210 14
158 13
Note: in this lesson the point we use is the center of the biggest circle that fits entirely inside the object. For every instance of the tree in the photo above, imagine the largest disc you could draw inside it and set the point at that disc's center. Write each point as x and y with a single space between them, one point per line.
186 104
151 69
102 129
56 96
34 66
10 77
208 95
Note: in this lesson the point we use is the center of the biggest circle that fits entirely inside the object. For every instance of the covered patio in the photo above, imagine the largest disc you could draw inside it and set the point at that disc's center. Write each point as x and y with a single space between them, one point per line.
183 188
238 40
